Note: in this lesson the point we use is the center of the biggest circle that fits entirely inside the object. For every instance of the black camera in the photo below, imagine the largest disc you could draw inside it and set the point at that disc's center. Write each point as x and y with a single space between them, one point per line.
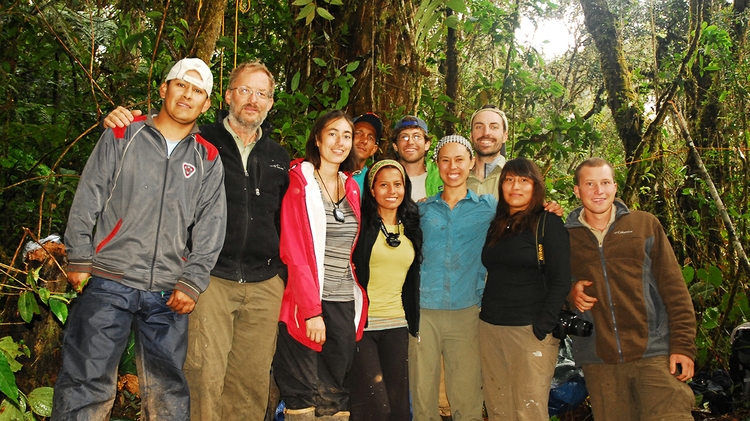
568 323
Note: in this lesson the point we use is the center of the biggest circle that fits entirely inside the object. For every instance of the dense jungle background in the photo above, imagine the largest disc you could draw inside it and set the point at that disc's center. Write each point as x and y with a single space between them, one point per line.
634 70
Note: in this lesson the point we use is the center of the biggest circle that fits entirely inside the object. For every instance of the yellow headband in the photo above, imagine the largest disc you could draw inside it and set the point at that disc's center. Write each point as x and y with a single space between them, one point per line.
380 165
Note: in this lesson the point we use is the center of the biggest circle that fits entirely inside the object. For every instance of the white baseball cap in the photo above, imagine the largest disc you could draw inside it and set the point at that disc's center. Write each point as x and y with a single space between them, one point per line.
180 69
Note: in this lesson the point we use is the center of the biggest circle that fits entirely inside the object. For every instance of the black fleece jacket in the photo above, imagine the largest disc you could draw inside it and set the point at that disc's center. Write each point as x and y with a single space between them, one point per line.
410 290
251 247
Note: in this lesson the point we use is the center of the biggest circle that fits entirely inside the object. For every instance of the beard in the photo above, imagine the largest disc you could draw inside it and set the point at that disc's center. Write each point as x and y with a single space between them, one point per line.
250 124
495 149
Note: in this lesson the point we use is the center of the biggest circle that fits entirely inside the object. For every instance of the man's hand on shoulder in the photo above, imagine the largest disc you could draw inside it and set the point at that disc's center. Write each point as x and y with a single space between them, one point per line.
120 117
180 302
580 299
554 207
687 366
78 280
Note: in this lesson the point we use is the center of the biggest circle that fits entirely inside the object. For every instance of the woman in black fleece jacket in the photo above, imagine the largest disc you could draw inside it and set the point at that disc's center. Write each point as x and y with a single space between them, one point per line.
386 259
522 298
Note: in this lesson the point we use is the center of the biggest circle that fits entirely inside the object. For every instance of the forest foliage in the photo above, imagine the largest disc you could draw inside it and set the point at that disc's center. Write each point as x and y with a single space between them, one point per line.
612 94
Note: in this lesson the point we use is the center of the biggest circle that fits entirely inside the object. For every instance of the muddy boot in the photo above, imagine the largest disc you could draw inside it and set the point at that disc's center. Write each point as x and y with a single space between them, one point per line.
304 414
339 416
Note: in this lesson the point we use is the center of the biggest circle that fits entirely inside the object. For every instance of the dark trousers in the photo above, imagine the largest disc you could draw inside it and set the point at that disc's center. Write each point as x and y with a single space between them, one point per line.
379 378
307 378
96 334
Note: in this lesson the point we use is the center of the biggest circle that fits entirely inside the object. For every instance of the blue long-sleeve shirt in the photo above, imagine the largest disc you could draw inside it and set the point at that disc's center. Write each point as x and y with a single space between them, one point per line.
452 274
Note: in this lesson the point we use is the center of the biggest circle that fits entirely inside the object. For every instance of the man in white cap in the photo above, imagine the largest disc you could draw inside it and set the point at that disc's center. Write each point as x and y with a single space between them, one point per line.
144 231
234 326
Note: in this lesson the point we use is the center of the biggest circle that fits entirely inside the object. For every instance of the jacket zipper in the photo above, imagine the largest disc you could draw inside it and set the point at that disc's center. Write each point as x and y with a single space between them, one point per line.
609 296
161 211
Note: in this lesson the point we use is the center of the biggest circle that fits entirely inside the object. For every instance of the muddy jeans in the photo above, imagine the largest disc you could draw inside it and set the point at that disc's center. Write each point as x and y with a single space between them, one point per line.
96 334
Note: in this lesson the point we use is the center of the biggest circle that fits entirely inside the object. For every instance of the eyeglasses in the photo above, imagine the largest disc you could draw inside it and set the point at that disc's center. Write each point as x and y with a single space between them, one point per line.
245 91
414 137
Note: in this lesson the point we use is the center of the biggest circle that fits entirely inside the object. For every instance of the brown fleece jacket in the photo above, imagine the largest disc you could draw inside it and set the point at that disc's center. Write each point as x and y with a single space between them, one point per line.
644 307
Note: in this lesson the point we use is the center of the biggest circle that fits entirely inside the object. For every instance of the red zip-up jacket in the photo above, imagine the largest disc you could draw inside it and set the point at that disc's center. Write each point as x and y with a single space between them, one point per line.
302 246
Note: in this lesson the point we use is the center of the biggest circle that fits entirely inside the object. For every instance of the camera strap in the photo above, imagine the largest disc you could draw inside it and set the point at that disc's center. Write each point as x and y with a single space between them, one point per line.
541 223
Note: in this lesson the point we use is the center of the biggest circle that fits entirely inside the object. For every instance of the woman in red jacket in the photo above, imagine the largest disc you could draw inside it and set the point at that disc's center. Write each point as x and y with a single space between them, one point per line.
324 308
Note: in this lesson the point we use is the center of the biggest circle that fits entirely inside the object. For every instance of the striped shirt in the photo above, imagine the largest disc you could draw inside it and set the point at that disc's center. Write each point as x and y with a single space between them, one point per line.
339 283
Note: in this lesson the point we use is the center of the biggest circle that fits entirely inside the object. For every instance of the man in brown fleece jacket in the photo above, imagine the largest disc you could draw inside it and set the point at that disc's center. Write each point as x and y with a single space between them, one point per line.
629 284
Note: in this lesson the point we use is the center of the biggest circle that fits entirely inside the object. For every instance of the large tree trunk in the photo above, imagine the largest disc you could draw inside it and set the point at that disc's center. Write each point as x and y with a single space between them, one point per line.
207 17
623 100
380 35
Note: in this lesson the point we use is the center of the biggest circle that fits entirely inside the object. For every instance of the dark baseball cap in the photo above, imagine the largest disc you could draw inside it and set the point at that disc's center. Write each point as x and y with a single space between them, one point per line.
373 120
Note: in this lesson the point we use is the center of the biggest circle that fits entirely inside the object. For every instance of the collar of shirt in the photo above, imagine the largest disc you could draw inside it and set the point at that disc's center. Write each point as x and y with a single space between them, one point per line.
598 234
241 147
237 138
500 160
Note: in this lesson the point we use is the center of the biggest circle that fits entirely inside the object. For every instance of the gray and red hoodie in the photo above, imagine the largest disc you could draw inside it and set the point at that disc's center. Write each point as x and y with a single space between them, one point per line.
151 221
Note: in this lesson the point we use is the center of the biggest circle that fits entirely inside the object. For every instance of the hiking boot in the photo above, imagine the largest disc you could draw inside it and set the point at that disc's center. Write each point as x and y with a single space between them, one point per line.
304 414
339 416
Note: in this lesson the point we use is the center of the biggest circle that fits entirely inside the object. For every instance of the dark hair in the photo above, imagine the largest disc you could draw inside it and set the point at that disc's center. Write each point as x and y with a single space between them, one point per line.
504 224
312 153
407 212
593 162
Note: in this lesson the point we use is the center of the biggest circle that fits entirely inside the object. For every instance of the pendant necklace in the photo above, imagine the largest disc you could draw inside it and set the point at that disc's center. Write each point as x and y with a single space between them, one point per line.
338 214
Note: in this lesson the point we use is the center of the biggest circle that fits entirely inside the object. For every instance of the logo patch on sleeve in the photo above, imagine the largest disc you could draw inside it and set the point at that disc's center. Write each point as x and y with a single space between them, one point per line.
189 169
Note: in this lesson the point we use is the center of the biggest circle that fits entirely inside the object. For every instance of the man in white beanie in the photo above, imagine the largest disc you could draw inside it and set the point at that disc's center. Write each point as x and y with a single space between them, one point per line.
489 132
144 231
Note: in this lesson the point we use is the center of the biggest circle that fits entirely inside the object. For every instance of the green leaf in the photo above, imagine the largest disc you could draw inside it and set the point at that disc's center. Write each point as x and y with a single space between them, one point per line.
452 22
10 412
701 291
556 89
44 295
323 13
301 2
7 379
710 318
320 62
306 11
295 81
32 277
335 2
343 100
27 306
714 276
59 309
40 400
457 5
132 40
352 66
688 273
154 14
11 351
